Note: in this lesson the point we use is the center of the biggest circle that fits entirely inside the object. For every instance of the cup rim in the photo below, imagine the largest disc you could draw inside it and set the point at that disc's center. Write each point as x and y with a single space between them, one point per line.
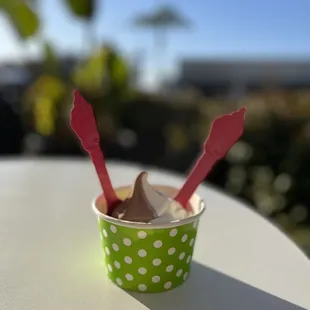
139 225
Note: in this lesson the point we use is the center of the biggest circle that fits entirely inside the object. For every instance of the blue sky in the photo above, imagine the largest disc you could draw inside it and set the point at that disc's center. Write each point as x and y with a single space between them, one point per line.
221 28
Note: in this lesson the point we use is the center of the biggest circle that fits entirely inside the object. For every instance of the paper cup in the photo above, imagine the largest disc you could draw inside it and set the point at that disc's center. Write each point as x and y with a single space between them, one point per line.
143 257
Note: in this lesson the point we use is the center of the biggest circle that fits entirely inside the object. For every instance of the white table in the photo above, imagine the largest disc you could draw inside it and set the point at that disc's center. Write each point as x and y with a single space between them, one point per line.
50 247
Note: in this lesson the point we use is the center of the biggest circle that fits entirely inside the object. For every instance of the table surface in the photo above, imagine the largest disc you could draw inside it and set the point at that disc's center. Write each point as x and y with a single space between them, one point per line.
50 247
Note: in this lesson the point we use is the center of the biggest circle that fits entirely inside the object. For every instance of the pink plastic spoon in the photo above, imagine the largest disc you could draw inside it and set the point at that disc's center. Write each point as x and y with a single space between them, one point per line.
84 125
225 132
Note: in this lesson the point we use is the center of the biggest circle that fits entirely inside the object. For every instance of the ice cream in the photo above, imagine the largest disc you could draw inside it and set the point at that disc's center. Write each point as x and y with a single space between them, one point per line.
148 205
150 230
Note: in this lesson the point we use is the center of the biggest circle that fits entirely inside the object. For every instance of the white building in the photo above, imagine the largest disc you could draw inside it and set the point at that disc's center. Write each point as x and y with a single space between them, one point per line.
239 76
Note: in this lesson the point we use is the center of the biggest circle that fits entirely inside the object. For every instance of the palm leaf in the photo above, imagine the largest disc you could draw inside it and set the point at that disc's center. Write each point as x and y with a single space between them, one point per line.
162 17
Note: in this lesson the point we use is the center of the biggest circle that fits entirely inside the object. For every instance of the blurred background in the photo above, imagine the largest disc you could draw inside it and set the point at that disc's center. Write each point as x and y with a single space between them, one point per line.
157 73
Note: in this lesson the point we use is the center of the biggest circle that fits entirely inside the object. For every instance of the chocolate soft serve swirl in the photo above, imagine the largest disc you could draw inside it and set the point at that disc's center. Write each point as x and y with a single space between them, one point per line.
148 205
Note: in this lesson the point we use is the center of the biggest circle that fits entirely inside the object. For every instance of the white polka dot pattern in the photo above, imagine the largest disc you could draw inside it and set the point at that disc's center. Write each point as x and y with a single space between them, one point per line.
181 256
127 242
119 281
142 234
115 247
191 243
188 259
128 260
129 276
142 270
107 250
113 229
104 232
167 285
157 244
179 273
142 253
142 287
184 238
173 232
147 261
155 279
169 268
171 251
156 262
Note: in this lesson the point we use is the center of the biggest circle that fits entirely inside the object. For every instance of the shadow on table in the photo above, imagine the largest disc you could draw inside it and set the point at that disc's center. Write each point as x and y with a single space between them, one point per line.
212 290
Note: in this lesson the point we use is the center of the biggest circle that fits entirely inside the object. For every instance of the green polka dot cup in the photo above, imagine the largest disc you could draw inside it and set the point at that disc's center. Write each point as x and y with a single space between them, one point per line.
143 257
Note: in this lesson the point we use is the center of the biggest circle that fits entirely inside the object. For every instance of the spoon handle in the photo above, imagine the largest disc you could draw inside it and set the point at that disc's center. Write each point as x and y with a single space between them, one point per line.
83 123
105 181
196 176
225 131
